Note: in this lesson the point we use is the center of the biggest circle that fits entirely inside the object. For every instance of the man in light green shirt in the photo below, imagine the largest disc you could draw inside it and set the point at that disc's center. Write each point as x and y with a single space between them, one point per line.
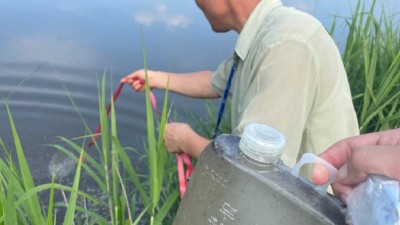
289 75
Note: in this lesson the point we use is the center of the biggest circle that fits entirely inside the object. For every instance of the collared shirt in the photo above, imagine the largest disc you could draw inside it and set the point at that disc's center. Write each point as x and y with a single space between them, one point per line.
289 76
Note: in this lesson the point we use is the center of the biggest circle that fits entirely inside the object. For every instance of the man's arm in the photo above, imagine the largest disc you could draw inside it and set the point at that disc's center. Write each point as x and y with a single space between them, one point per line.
196 84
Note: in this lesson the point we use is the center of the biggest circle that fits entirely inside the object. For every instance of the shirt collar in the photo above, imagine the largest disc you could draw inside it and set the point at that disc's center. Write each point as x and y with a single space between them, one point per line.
252 26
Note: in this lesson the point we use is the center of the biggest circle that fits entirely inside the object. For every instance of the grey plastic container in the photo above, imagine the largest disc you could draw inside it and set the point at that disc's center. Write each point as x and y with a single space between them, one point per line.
229 188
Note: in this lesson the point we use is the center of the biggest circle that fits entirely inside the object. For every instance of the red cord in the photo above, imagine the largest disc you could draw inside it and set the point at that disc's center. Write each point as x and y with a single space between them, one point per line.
98 129
182 158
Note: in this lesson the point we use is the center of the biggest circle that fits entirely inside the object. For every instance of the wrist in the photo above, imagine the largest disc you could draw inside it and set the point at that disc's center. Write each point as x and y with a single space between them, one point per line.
160 79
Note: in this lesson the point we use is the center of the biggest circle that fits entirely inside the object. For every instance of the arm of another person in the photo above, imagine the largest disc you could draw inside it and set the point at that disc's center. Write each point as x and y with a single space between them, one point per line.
196 84
359 156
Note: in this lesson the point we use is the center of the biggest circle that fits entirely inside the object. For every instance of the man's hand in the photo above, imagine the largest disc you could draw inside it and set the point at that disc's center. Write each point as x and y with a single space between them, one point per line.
179 137
137 79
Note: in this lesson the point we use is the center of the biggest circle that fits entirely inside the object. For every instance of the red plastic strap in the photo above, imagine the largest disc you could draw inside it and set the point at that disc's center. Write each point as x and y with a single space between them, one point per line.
182 158
187 159
98 129
182 176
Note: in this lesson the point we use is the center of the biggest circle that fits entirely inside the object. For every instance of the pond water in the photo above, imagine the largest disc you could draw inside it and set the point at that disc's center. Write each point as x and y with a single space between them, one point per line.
49 45
55 51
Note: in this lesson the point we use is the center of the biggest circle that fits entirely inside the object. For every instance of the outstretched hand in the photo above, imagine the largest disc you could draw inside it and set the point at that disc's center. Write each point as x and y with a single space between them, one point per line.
357 157
137 79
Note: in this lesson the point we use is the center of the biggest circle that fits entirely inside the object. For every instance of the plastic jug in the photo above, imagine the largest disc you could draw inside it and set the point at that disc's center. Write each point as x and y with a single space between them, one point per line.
242 181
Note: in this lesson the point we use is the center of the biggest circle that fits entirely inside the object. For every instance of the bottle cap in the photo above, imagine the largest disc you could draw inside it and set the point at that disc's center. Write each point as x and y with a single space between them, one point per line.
262 143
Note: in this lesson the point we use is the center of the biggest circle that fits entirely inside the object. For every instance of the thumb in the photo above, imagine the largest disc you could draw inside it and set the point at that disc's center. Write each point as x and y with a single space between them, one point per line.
320 174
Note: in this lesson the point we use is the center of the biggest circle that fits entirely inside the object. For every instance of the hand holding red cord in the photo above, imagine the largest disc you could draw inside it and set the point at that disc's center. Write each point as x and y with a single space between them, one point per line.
137 81
182 158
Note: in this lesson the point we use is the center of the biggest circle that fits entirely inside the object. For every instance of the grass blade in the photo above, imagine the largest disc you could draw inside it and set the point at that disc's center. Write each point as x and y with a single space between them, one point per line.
34 212
69 215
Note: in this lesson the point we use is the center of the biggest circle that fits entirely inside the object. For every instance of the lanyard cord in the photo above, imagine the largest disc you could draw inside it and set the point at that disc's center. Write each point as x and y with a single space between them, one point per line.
224 98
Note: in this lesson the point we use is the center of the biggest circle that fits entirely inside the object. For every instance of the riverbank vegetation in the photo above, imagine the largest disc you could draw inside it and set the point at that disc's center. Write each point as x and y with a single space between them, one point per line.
372 61
151 196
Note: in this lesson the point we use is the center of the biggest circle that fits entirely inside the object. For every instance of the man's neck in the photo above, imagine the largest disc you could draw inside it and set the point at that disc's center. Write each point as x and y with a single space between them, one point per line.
241 11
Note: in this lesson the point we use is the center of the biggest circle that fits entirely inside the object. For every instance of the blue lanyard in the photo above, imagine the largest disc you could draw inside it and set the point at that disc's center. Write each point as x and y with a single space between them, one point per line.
226 92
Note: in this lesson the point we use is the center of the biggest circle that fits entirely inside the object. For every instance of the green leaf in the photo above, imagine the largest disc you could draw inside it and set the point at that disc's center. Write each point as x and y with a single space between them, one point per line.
34 207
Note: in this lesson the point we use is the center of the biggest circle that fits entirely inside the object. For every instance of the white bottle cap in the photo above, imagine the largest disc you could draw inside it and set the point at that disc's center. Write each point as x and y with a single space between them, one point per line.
262 143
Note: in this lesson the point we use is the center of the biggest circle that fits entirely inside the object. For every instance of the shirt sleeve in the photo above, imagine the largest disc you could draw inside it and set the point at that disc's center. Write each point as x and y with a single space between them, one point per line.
221 75
282 92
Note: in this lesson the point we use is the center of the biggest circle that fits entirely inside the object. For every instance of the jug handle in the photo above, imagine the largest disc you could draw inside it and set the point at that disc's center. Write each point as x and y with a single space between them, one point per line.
311 158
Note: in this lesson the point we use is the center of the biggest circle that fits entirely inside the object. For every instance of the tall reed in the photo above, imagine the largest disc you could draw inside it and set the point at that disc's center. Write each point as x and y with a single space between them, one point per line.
19 199
372 61
114 173
17 184
117 178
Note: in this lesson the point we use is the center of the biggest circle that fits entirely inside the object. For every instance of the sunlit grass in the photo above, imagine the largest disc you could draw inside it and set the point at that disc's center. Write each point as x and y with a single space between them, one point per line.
372 62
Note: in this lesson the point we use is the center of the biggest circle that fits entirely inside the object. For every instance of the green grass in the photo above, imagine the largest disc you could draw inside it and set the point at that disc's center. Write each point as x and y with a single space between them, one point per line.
131 197
372 62
205 124
18 184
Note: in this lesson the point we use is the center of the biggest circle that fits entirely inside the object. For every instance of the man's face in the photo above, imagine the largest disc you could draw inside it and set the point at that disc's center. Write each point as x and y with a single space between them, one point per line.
217 13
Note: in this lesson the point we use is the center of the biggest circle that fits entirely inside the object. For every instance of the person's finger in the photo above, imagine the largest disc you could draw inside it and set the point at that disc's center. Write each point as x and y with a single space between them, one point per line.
129 78
389 137
171 138
373 159
350 175
320 174
341 191
137 85
339 153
